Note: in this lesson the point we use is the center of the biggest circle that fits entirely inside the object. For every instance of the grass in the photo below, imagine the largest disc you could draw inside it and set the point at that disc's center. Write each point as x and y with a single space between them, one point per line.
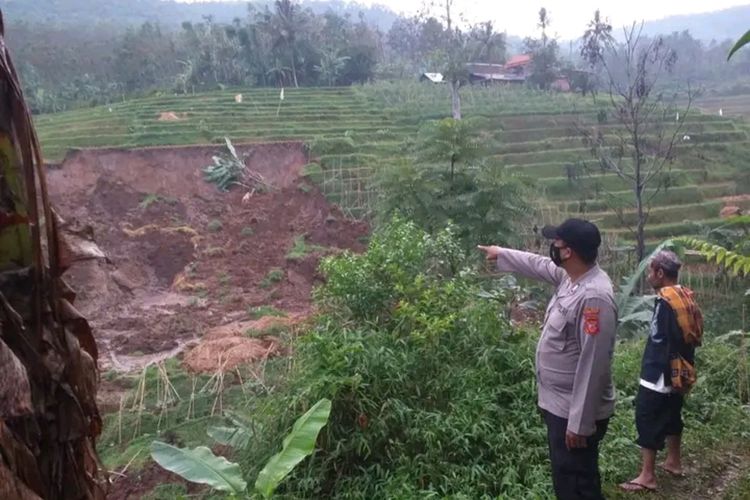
196 403
273 276
152 199
300 248
262 311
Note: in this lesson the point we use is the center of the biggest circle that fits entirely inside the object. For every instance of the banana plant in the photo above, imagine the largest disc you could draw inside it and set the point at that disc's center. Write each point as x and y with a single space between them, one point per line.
227 169
200 465
635 310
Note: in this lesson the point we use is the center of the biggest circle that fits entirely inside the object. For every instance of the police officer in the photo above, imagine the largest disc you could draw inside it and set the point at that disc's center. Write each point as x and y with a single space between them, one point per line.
574 354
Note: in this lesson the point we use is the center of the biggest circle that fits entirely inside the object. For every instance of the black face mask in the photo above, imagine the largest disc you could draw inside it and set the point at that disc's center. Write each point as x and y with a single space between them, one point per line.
554 254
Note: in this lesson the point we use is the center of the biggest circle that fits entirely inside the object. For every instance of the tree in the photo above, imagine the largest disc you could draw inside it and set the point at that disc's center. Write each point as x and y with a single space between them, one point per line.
145 58
450 140
331 66
483 201
455 60
596 38
544 53
489 45
49 420
642 149
284 24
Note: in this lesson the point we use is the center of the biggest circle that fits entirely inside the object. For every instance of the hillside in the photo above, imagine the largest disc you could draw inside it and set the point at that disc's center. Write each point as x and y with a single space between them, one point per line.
165 12
718 25
354 132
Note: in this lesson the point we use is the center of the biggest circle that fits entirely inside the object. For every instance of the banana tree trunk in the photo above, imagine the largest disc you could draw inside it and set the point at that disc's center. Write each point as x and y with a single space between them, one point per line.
49 420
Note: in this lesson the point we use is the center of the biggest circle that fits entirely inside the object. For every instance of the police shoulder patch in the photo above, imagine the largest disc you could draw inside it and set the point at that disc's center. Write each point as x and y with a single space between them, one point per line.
591 320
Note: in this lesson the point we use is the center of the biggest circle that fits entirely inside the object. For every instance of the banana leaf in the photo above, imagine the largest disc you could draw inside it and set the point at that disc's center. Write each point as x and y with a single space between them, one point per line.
200 465
236 437
297 445
740 43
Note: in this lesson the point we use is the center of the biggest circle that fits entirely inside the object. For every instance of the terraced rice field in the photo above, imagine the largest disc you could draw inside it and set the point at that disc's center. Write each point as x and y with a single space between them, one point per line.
354 132
730 106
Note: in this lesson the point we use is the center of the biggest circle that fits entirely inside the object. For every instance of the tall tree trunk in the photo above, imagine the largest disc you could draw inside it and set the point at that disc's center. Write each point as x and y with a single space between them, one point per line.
639 187
48 415
455 100
640 229
294 68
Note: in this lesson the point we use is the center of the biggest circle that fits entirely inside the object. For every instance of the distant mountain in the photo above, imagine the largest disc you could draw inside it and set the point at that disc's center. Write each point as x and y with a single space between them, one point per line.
166 12
718 25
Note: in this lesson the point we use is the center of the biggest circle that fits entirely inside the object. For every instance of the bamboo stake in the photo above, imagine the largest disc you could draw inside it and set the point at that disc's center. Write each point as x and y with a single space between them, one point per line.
191 404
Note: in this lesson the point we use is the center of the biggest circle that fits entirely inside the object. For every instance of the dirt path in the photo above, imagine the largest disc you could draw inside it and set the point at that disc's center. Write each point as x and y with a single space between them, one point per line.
710 475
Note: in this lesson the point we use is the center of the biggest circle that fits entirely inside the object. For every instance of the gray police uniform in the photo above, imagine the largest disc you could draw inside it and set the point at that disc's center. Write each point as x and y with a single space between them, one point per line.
573 366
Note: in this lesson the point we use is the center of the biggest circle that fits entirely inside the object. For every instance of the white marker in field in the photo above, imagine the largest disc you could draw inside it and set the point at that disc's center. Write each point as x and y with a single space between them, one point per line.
238 98
721 112
281 98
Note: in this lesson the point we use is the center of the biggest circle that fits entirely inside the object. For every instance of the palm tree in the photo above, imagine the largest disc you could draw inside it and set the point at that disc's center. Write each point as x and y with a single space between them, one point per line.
48 415
284 24
279 73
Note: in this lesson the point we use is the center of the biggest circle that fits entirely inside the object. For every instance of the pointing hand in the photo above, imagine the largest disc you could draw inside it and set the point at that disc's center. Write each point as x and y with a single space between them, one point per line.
491 252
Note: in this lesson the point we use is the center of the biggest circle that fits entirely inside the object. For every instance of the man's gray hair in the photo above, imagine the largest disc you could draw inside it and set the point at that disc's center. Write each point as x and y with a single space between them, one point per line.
667 261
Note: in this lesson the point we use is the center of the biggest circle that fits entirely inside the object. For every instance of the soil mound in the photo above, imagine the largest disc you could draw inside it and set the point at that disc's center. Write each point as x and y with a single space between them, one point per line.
183 257
240 342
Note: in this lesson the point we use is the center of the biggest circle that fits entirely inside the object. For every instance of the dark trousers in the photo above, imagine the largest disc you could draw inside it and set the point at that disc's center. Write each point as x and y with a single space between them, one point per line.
657 416
575 473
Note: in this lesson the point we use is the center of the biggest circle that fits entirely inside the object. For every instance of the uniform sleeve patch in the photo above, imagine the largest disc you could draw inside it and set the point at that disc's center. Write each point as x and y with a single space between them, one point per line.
591 320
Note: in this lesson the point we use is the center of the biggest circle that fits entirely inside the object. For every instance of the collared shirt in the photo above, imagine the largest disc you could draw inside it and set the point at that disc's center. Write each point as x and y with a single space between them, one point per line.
574 353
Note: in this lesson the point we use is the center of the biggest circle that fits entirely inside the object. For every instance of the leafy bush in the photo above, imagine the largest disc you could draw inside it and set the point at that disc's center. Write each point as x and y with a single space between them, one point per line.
400 257
432 389
485 203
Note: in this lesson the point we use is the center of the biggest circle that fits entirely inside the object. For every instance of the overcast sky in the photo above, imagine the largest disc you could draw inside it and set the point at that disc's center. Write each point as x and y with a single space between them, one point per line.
569 17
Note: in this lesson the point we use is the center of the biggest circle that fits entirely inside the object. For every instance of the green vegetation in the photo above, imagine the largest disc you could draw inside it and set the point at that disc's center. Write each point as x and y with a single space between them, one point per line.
261 311
273 276
151 199
227 170
361 134
432 389
301 248
200 465
215 226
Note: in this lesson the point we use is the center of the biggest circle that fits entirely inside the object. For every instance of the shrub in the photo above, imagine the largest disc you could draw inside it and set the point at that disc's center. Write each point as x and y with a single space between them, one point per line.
273 276
215 226
432 388
485 203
